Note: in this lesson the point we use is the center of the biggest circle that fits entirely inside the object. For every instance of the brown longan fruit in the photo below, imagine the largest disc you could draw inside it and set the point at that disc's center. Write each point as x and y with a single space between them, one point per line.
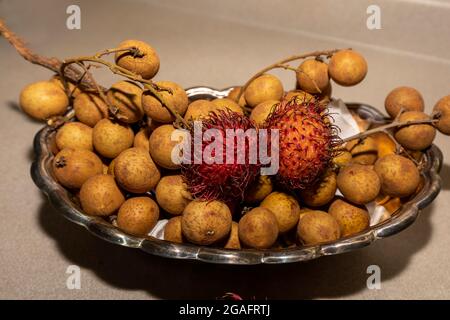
358 183
73 89
161 146
258 228
90 108
417 136
135 171
138 216
385 145
347 67
263 88
233 95
225 103
145 64
233 239
399 175
342 158
178 100
312 76
316 227
259 189
300 95
172 230
126 96
110 138
365 151
351 218
141 139
443 107
43 99
285 208
321 192
198 109
172 194
406 98
75 135
206 222
72 167
262 111
100 195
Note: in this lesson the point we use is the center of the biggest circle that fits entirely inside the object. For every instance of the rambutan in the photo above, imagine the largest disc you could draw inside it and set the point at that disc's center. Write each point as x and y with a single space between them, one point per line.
307 138
211 175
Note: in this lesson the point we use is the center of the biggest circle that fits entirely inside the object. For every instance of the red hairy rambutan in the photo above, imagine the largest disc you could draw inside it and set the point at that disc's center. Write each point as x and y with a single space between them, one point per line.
307 138
221 181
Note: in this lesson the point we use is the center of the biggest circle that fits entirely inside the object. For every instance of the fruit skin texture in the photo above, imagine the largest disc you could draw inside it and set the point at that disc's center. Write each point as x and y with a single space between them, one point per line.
417 136
317 227
312 76
406 98
285 209
126 96
89 108
199 109
178 100
399 175
172 230
172 194
141 139
359 184
321 192
262 111
258 228
111 138
443 106
206 222
138 216
347 67
225 103
72 167
43 99
147 65
223 181
74 135
263 88
259 189
135 171
161 146
351 219
306 142
233 240
100 196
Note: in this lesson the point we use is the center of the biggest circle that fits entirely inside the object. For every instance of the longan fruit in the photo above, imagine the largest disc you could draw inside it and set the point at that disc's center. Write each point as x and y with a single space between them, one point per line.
172 230
351 218
359 184
111 167
259 189
443 107
347 67
399 176
417 136
206 222
263 88
312 76
161 146
321 192
316 227
262 111
385 145
300 95
138 216
406 98
135 171
75 135
178 100
233 95
43 99
285 208
141 139
233 239
225 103
90 108
342 158
258 228
199 109
146 64
365 151
72 167
111 138
100 195
73 89
126 96
172 194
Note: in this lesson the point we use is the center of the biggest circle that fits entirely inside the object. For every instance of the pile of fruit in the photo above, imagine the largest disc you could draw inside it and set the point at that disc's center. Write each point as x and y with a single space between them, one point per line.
115 155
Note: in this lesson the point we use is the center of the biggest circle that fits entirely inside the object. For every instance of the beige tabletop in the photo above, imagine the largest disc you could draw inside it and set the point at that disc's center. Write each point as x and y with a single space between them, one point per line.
218 44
